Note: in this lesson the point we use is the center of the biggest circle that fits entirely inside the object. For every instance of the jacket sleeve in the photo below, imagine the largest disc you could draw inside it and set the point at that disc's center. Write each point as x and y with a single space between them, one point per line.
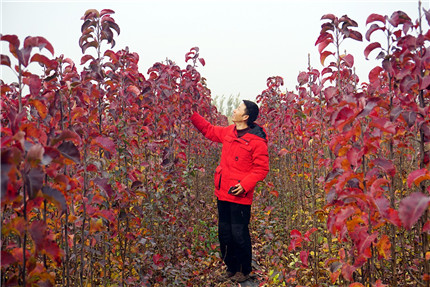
260 167
214 133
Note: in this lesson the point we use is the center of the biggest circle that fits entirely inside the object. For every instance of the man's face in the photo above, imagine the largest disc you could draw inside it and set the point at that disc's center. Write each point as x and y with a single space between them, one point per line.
239 114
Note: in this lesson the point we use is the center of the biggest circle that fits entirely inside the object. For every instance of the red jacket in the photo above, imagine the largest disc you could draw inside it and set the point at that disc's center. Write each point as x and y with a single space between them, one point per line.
244 160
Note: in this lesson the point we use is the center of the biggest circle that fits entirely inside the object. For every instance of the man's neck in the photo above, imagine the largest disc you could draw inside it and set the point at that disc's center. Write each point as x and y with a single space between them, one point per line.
241 125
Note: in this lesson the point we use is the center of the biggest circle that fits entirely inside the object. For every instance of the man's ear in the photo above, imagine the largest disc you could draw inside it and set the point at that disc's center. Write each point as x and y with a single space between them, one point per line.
245 117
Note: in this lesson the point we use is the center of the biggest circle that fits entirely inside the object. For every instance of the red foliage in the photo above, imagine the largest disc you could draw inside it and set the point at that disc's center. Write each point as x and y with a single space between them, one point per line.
97 165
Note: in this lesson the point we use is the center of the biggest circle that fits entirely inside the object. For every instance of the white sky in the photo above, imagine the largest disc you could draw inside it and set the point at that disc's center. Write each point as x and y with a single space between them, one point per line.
242 42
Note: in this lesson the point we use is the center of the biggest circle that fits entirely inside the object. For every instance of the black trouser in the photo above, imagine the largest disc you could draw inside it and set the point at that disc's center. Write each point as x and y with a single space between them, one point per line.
233 234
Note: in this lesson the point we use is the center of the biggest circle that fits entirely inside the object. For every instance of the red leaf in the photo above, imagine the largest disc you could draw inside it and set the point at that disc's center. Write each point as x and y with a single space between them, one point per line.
377 189
324 37
347 271
395 113
364 243
114 26
105 18
108 215
86 58
106 11
323 45
427 13
35 154
133 89
375 17
55 196
295 233
335 275
417 176
324 55
349 60
202 61
309 233
386 165
192 54
40 107
92 167
370 48
274 192
384 247
353 156
13 44
304 255
38 231
372 29
105 143
34 181
112 55
381 203
181 155
384 125
355 284
330 92
67 135
333 174
355 35
85 46
12 39
407 83
296 239
34 83
398 18
302 78
412 208
374 73
91 13
104 184
53 251
5 60
425 83
370 104
340 218
393 217
410 117
378 283
156 258
38 42
343 117
70 151
328 17
7 259
388 66
43 60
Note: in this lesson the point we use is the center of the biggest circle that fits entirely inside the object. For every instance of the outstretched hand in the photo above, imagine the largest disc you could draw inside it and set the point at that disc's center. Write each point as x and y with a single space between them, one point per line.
194 109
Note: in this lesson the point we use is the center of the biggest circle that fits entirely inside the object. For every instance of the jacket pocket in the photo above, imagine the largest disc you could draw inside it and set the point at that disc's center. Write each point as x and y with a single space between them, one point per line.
217 179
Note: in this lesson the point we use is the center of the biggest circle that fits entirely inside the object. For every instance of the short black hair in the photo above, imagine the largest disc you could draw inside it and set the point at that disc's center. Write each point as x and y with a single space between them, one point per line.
252 111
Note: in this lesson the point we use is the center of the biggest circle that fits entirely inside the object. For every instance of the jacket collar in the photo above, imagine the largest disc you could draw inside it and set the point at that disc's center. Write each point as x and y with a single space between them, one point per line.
256 130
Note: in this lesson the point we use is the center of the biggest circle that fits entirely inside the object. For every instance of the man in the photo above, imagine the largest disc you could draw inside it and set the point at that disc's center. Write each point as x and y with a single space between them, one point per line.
244 162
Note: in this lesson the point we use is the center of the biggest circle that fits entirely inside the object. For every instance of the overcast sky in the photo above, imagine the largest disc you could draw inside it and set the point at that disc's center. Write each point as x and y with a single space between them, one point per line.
242 42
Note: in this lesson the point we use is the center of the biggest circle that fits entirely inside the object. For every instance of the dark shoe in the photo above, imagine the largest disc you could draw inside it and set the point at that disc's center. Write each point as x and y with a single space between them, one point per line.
239 277
226 276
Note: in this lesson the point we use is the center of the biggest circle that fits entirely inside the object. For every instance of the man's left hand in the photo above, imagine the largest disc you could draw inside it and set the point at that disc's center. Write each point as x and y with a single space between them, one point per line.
238 190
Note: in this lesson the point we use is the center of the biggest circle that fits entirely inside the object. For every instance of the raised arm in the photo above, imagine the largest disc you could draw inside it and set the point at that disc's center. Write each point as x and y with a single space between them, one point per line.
214 133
